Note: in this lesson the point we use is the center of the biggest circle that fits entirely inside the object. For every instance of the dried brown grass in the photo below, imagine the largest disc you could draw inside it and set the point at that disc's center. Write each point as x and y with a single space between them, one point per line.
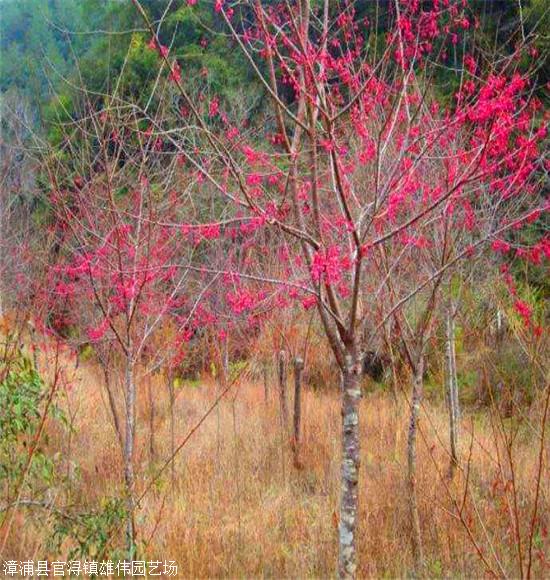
240 509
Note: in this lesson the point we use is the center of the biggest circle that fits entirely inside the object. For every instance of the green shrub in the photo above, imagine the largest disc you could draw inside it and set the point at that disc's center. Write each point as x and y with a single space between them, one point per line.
23 402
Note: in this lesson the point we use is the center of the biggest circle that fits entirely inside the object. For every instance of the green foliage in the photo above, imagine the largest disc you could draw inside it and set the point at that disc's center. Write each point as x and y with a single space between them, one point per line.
468 382
33 43
66 57
236 368
90 534
435 568
23 403
23 395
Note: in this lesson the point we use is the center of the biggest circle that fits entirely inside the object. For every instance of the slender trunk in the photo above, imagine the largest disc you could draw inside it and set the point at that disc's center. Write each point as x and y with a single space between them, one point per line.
388 338
129 456
34 347
452 391
152 452
221 383
112 405
416 536
171 394
499 330
266 384
225 361
351 395
298 368
282 390
455 377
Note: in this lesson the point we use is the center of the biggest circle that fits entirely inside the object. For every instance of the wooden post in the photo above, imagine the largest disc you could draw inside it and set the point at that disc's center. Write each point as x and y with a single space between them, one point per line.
298 368
282 389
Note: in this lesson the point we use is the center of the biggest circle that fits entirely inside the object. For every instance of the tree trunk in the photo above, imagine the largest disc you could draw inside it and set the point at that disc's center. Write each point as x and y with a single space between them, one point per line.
172 396
152 451
266 383
351 395
225 361
452 391
499 329
129 456
388 339
282 390
416 537
112 404
298 368
221 384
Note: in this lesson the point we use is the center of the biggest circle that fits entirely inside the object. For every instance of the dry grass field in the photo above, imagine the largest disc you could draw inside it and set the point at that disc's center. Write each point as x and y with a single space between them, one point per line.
239 507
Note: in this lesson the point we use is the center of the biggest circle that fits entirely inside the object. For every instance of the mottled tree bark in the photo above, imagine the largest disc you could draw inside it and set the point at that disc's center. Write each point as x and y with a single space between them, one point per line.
351 395
296 440
452 390
130 388
417 393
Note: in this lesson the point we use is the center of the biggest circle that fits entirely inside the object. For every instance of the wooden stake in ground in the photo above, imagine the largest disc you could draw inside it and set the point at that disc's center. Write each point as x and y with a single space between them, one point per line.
298 368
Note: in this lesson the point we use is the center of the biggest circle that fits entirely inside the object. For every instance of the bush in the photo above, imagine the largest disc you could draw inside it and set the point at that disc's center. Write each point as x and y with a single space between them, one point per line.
23 396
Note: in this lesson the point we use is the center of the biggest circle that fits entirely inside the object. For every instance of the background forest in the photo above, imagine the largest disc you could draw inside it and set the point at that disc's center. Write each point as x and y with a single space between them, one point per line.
194 367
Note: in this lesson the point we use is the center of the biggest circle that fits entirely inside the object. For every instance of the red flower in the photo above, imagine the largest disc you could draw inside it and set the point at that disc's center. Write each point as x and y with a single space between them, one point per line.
175 75
214 107
524 310
500 246
98 332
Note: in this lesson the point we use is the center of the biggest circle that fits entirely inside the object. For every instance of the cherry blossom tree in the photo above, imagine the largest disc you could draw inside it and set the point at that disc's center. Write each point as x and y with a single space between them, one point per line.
122 283
360 167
